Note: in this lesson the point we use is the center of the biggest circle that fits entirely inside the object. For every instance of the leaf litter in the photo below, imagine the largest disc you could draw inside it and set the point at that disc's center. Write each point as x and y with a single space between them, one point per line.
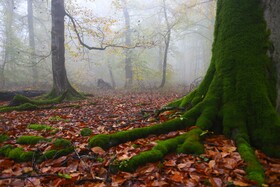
221 165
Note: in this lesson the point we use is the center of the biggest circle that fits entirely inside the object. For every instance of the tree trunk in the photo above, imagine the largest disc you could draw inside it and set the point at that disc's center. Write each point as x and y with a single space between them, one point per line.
32 41
128 63
237 96
113 82
8 57
166 49
60 80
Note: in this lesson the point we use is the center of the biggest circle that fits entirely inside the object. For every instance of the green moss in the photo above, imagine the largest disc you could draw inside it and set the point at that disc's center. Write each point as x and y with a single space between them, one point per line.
188 142
58 118
40 127
5 150
20 155
86 132
23 107
53 154
30 139
71 94
192 143
254 169
20 99
62 143
3 138
106 141
17 154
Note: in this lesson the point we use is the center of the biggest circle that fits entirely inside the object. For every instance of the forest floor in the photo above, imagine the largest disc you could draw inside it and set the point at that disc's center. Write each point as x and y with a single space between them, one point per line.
108 112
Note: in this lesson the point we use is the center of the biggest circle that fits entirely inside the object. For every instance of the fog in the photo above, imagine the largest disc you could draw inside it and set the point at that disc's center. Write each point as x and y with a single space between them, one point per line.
102 23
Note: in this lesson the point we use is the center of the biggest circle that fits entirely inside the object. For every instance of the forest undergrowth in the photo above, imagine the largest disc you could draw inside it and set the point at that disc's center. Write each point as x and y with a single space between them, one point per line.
105 113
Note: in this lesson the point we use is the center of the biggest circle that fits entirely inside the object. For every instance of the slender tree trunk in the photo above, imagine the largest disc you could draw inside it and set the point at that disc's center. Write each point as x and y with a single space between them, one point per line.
60 80
166 49
8 57
32 41
111 75
128 62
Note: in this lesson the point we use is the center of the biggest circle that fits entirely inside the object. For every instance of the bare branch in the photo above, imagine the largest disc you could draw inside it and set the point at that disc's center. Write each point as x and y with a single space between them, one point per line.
103 47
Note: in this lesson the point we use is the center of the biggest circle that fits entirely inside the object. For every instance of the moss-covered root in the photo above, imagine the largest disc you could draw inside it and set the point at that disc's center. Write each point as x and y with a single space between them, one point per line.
30 139
188 142
110 140
71 94
26 106
3 138
17 154
254 169
20 99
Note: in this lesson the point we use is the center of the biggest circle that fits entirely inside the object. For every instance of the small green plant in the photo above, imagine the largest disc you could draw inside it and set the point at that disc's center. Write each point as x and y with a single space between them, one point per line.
31 139
160 165
86 132
66 176
135 146
99 159
3 138
61 143
123 164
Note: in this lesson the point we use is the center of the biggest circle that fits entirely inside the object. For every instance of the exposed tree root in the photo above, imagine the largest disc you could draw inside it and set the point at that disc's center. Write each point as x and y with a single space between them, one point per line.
22 103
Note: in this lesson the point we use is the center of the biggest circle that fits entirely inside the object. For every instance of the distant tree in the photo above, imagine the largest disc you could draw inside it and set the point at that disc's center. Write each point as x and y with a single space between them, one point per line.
8 38
167 38
128 62
32 41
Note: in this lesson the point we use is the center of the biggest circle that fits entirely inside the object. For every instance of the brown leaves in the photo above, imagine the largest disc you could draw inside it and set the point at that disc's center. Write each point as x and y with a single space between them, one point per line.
219 166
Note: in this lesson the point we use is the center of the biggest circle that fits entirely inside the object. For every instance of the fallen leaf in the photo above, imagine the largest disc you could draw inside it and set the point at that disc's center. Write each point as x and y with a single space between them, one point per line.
170 163
177 177
240 183
98 150
215 182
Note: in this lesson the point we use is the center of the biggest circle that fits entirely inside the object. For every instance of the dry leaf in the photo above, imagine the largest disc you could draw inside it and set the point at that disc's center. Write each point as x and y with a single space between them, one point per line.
170 163
98 150
177 177
240 183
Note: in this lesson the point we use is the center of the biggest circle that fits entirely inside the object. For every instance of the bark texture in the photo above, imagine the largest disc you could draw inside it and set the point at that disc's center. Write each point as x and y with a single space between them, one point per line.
237 96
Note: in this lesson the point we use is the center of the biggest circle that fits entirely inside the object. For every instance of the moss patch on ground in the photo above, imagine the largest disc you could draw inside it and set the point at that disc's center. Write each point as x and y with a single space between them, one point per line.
40 127
17 154
3 138
86 132
31 140
23 107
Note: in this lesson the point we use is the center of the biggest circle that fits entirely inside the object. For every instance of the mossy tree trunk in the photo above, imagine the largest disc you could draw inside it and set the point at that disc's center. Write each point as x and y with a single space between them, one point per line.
237 96
60 81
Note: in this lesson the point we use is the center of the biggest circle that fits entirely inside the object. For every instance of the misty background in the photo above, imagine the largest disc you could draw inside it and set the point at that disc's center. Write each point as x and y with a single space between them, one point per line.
102 23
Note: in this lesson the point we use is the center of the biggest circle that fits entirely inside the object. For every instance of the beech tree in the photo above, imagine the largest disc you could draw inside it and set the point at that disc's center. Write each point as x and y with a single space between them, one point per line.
237 96
60 81
32 40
